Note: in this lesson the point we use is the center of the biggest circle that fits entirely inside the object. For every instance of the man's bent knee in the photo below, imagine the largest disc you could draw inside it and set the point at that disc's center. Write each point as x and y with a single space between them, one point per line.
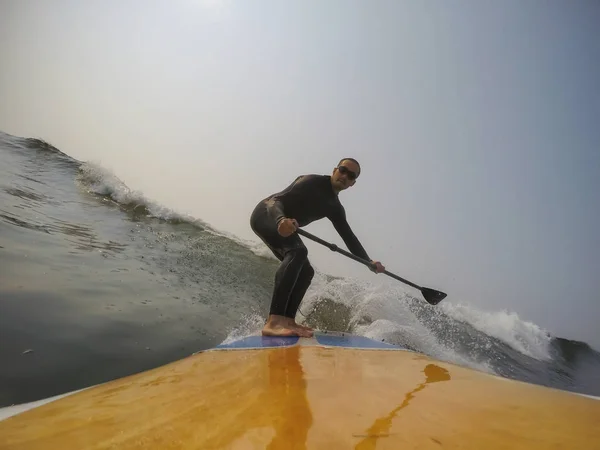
299 254
308 270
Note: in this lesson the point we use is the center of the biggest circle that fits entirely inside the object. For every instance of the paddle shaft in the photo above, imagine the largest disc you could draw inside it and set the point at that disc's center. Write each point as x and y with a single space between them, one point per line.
335 248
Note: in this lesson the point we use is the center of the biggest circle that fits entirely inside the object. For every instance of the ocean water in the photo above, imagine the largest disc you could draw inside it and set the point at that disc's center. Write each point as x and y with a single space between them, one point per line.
98 282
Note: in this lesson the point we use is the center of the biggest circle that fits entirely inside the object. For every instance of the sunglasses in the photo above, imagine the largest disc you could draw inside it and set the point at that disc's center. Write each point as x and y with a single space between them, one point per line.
344 171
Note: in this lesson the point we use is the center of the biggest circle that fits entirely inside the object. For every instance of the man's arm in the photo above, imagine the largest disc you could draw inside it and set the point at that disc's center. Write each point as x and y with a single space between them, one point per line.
299 187
275 209
275 205
343 228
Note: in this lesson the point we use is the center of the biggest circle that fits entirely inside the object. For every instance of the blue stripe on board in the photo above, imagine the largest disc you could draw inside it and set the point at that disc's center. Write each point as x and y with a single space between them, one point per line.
352 342
261 341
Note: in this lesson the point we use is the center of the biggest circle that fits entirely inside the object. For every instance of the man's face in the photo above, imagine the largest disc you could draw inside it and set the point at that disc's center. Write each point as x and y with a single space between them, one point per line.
344 175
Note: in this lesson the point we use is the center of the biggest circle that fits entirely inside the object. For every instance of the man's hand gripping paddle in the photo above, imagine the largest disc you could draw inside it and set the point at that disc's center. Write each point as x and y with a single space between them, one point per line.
432 296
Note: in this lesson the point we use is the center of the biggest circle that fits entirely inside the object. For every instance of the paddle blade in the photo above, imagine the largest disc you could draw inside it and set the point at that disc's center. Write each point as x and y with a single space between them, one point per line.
432 296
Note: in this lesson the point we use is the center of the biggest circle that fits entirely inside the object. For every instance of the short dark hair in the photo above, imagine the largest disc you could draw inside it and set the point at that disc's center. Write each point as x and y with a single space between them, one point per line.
350 159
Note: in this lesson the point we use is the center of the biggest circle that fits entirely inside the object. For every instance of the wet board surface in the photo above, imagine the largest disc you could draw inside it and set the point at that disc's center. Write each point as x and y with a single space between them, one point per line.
309 393
320 339
261 342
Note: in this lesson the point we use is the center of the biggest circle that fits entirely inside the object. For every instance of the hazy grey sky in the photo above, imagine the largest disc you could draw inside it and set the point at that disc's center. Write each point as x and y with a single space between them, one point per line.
476 124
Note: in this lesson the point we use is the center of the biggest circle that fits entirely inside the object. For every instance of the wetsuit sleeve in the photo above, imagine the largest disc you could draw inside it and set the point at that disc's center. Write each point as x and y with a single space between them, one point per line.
302 187
338 219
275 209
275 206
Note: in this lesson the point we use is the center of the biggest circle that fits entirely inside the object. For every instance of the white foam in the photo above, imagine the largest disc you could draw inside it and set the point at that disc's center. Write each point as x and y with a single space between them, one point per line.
101 181
418 337
98 180
251 324
525 337
382 311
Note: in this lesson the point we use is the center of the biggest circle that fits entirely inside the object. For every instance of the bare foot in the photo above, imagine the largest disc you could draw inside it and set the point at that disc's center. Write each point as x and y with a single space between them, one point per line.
279 326
302 327
278 330
302 330
292 323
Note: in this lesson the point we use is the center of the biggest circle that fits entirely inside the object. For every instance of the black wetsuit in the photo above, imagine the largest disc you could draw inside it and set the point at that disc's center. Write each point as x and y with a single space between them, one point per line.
308 198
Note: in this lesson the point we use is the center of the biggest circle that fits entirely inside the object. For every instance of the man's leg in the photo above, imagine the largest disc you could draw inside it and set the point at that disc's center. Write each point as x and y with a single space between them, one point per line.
292 253
291 282
302 284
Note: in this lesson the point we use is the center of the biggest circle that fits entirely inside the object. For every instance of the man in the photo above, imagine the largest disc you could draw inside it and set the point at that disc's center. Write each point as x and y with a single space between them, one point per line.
275 220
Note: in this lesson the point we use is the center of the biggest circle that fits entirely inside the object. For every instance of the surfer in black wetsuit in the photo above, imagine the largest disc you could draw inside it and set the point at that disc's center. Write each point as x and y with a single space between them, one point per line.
275 220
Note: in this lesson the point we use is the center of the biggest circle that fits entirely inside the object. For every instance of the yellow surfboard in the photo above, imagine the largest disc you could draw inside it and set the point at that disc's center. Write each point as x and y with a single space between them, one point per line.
332 391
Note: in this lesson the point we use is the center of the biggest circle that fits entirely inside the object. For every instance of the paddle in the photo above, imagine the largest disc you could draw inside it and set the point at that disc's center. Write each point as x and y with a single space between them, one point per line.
432 296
